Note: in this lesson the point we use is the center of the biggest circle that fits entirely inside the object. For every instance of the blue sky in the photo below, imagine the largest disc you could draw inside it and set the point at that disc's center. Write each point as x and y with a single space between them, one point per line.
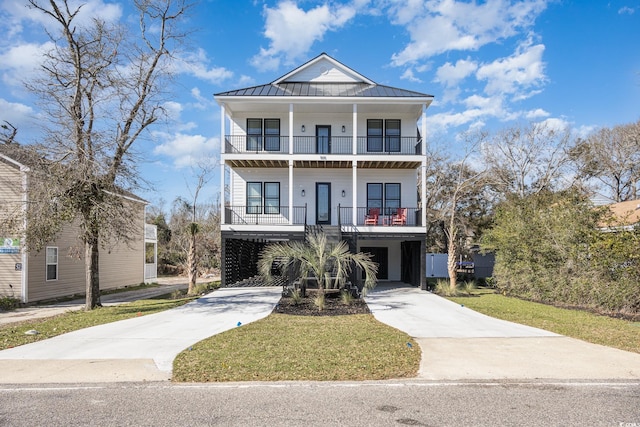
488 64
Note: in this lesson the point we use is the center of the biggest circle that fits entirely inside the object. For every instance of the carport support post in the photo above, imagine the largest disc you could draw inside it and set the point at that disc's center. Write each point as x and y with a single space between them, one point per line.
423 265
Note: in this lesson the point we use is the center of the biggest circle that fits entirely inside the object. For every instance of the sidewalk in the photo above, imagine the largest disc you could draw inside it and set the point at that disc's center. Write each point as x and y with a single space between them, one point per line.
166 286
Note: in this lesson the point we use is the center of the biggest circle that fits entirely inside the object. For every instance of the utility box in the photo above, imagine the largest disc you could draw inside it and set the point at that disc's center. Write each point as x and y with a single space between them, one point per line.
437 266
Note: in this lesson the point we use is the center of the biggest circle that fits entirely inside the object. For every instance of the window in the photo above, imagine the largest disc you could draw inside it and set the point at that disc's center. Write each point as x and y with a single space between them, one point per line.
271 197
391 198
263 198
52 263
254 134
374 196
388 201
374 135
270 135
254 197
392 135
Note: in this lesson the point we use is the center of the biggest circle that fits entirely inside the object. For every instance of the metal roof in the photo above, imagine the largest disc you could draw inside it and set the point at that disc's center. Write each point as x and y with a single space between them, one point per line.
363 90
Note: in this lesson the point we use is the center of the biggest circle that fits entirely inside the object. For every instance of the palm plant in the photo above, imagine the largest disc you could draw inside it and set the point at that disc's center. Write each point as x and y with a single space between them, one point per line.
329 264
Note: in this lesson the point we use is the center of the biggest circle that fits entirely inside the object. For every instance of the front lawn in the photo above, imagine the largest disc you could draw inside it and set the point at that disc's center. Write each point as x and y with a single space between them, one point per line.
589 327
287 347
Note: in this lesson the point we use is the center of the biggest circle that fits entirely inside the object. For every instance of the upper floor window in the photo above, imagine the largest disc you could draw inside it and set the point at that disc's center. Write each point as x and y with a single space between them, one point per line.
263 134
383 135
385 197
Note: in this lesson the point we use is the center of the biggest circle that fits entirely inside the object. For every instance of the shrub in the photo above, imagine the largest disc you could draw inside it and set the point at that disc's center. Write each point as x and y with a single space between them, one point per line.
9 303
319 301
346 297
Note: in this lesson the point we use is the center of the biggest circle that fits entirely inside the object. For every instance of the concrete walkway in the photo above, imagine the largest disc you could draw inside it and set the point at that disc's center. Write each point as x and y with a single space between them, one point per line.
460 344
138 349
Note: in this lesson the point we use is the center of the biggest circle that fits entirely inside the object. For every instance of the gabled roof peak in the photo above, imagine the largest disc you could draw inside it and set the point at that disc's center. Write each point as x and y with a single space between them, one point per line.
323 69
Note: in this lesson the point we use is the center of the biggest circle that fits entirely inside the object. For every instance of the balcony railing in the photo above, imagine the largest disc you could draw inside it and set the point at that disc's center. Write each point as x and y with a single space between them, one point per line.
264 215
369 145
390 217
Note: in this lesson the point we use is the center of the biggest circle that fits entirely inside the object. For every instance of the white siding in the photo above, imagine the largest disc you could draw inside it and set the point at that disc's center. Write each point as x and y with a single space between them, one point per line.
323 71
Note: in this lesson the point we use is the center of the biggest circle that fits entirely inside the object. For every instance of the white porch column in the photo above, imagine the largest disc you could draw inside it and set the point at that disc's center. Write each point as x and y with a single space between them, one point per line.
355 130
423 167
423 131
290 192
290 130
354 191
223 114
222 193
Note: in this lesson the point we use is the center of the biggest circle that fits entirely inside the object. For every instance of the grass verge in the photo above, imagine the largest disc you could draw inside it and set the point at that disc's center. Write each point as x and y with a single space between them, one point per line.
284 347
593 328
13 334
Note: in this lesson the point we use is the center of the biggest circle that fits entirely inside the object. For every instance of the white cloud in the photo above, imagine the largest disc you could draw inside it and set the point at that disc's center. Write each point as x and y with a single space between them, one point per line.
408 75
438 26
536 114
15 113
196 63
450 74
21 61
521 71
626 10
188 150
292 31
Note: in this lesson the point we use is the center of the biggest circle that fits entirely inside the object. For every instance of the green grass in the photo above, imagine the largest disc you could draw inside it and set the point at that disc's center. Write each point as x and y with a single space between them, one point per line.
318 348
583 325
13 334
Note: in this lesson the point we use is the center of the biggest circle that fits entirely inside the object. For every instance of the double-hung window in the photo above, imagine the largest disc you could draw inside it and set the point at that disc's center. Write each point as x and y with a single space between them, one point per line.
383 136
254 197
51 256
263 135
263 197
392 135
385 197
374 135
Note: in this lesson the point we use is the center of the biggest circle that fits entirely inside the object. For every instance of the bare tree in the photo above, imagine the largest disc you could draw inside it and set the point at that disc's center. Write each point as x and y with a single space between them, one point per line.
101 89
8 133
611 157
526 159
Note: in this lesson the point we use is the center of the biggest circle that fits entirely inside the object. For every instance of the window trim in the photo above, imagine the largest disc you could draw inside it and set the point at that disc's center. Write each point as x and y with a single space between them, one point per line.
399 199
250 144
377 139
47 264
369 206
268 137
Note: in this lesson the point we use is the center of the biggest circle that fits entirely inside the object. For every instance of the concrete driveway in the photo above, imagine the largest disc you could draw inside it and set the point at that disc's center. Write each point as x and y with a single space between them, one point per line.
138 349
460 344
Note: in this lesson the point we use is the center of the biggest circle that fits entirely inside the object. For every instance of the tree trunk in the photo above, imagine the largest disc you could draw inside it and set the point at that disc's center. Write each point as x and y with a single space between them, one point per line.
91 259
451 257
192 264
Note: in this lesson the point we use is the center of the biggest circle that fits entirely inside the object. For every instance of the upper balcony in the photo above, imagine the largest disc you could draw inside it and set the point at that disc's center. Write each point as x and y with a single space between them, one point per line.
253 151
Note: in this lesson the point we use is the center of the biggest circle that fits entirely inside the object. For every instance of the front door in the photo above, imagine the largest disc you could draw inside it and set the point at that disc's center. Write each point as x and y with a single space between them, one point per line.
323 139
323 203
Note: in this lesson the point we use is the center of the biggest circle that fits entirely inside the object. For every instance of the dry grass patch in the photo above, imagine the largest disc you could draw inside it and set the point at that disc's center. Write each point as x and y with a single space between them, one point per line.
583 325
282 347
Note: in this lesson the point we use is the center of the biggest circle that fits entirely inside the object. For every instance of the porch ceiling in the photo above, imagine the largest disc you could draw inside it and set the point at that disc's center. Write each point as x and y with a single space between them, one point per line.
322 164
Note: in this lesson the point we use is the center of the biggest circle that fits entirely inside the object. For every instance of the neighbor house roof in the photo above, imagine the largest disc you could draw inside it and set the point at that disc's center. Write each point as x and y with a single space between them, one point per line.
625 214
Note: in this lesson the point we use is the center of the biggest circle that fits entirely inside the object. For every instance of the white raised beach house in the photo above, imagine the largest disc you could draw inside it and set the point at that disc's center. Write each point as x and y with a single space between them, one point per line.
324 148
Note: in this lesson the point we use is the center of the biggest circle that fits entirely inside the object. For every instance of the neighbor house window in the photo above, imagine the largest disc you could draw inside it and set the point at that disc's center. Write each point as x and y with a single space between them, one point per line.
374 135
271 197
391 198
254 134
392 135
52 263
254 197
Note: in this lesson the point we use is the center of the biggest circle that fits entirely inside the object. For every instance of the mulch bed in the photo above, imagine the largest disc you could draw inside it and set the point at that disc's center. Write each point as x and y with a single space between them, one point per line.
333 307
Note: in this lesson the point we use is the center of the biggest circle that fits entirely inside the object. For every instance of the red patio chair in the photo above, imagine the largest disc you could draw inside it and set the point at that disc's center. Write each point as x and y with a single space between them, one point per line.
400 217
372 217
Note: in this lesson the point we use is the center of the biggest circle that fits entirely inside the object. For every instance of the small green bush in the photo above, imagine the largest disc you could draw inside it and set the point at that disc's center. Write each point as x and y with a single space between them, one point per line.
346 297
9 303
296 296
319 301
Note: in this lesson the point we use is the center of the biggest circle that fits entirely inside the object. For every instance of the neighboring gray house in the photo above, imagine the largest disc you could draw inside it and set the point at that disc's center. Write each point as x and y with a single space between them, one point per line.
324 148
59 269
